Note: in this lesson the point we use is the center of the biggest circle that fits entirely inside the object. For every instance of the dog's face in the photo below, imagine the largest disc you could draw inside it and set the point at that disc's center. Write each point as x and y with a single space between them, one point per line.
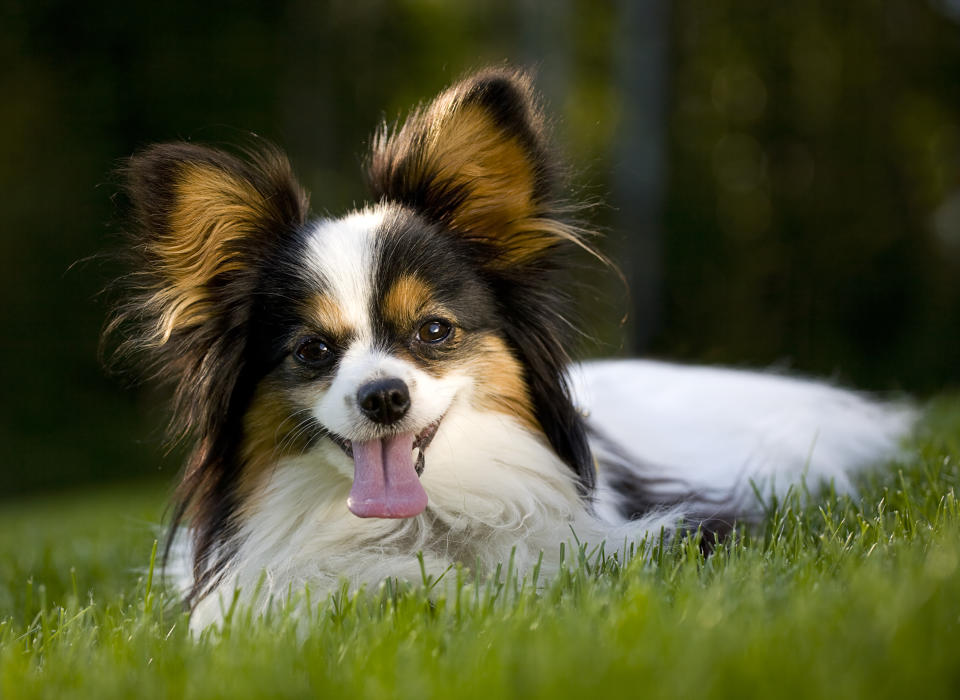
356 337
372 328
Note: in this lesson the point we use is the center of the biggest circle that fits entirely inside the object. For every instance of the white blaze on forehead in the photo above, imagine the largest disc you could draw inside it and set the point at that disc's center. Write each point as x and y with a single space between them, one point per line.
340 254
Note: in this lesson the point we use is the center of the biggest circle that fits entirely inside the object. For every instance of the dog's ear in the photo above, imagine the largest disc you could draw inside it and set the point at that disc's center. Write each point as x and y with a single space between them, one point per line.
204 216
201 220
476 160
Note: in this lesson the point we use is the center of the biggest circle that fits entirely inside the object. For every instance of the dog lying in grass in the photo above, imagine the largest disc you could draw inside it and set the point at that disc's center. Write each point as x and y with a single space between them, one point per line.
391 391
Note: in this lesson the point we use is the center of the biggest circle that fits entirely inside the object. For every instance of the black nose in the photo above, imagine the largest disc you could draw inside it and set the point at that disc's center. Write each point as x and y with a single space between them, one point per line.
384 400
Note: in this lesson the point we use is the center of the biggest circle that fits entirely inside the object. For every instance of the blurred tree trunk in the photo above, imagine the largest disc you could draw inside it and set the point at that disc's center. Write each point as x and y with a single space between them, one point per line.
639 171
545 47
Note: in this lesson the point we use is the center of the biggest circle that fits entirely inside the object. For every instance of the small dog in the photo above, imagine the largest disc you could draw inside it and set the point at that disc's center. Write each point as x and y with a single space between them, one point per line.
364 391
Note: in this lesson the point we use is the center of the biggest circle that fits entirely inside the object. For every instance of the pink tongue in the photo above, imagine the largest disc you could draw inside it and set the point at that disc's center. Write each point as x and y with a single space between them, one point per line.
385 481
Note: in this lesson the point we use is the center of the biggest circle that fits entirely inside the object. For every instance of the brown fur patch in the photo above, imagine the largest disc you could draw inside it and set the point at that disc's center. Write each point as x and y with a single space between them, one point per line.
476 160
212 212
406 300
271 431
470 152
501 387
327 314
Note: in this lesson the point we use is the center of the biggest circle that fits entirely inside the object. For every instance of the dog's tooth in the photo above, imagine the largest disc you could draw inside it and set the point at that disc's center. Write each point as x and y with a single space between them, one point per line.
420 463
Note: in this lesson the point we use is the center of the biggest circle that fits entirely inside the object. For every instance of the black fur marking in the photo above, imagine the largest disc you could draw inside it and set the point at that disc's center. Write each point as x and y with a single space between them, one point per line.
406 244
534 324
646 489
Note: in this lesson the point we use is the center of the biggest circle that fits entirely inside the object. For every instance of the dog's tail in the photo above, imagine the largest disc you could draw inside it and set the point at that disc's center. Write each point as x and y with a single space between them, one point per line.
724 442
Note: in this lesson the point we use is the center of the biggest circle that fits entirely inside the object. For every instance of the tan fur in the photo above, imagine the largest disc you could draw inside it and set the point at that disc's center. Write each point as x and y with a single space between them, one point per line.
488 180
271 430
212 211
406 301
501 386
469 150
326 313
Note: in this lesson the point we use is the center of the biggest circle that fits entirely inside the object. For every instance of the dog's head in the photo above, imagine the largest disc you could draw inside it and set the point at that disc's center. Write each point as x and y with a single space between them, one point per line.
285 334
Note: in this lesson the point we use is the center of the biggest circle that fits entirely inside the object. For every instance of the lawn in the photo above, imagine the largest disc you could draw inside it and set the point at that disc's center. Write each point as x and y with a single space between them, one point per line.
845 598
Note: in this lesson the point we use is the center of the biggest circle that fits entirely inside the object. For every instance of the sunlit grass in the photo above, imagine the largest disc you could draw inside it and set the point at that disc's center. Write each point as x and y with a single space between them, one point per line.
840 598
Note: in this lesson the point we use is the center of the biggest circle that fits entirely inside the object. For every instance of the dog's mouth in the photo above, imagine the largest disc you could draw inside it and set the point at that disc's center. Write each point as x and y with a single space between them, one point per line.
386 473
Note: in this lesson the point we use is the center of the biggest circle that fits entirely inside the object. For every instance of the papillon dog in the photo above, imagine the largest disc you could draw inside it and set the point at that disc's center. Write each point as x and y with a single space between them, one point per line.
393 389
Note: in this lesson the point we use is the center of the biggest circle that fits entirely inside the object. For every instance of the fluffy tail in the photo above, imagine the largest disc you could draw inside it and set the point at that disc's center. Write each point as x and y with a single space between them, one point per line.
721 441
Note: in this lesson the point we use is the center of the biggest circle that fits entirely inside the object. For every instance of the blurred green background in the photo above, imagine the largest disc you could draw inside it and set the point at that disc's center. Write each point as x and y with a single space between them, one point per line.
780 181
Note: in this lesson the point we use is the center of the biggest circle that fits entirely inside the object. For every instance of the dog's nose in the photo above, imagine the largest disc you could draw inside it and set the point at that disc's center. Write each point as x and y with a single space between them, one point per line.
384 401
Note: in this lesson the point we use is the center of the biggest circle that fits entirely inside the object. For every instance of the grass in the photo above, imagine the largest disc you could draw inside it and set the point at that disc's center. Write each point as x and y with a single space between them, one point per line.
842 598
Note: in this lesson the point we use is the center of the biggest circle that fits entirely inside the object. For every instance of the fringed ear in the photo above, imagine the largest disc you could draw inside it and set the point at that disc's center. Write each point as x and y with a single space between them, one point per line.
476 160
202 215
202 218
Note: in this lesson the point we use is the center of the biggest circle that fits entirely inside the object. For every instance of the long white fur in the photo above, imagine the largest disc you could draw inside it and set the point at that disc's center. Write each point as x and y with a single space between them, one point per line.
495 488
729 434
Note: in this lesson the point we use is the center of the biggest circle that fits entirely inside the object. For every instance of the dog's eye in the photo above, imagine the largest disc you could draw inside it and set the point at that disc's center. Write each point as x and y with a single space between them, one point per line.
434 331
313 352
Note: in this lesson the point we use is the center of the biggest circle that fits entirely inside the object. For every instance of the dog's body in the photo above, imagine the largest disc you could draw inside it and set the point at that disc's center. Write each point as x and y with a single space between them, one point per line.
395 382
691 452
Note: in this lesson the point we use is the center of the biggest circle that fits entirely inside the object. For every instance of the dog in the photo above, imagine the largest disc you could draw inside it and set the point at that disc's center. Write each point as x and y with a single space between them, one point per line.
392 391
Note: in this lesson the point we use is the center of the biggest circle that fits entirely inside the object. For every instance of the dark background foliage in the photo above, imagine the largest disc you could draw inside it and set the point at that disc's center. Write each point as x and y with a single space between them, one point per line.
781 181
